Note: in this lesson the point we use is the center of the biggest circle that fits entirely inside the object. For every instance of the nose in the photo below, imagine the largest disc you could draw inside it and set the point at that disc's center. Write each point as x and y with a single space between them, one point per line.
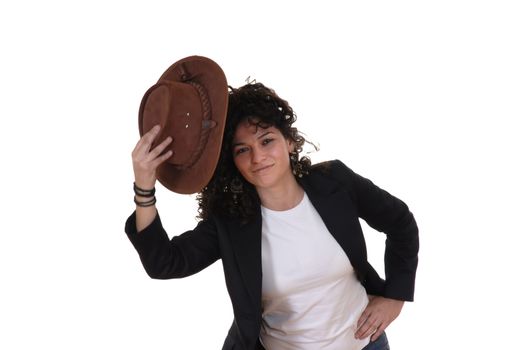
257 155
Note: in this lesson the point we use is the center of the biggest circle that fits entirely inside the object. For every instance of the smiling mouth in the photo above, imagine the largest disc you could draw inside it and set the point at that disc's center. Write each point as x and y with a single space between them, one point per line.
262 168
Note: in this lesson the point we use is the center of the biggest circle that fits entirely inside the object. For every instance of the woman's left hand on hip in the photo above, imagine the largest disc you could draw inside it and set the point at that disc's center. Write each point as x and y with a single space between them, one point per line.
379 313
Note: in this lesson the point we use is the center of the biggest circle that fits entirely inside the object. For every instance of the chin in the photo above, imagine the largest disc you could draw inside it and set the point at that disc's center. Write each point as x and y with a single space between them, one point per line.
264 184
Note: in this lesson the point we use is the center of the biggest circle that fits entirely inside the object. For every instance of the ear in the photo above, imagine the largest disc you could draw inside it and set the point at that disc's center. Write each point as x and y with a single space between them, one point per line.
291 145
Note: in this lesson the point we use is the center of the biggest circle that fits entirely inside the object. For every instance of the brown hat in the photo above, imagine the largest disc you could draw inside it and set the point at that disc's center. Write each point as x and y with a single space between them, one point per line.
189 102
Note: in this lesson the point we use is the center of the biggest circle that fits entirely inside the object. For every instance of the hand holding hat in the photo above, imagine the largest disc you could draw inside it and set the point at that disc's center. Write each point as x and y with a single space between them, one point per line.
181 123
145 160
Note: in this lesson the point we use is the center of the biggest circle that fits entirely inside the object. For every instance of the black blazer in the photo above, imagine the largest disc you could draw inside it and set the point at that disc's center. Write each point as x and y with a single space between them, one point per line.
339 195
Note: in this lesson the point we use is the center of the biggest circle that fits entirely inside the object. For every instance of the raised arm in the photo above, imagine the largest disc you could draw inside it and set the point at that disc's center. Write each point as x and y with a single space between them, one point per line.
145 163
162 257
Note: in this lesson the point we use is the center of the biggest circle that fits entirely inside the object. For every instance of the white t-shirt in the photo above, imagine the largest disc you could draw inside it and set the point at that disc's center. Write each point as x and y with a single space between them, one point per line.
311 297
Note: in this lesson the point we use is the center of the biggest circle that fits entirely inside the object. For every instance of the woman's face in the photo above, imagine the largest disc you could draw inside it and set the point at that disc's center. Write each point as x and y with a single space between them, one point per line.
262 155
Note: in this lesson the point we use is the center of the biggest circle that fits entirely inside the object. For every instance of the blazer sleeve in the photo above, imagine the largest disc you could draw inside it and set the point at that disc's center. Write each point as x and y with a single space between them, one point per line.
178 257
386 213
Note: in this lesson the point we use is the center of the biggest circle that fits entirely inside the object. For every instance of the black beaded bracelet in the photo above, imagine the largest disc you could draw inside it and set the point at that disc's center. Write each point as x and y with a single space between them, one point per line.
143 193
145 204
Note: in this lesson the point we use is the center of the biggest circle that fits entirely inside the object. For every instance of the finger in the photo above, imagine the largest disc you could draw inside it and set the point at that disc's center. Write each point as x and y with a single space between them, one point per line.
368 332
161 159
160 148
145 142
364 316
364 332
378 332
367 328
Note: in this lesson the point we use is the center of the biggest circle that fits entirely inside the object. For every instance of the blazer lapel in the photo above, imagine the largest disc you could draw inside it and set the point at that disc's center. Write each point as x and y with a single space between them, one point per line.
246 242
335 207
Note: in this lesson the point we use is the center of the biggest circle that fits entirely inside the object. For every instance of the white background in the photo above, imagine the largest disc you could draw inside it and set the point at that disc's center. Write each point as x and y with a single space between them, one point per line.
421 97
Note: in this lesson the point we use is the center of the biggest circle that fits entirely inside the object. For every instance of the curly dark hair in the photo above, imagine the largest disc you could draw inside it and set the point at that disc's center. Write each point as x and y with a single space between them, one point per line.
260 106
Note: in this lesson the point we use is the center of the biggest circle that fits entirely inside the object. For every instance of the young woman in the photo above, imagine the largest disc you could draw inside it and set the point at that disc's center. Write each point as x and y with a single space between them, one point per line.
288 235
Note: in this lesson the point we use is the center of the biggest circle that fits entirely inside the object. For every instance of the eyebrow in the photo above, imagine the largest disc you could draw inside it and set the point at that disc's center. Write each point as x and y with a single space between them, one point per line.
259 137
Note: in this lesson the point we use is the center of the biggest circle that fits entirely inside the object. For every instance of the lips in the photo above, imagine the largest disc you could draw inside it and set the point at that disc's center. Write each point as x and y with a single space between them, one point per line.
257 170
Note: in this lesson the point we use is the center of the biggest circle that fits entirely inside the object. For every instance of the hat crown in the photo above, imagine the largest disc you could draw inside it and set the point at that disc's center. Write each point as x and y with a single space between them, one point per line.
177 108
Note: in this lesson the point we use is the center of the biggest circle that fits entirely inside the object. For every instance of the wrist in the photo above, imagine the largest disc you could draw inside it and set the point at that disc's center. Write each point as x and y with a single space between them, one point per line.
145 180
144 197
144 201
144 192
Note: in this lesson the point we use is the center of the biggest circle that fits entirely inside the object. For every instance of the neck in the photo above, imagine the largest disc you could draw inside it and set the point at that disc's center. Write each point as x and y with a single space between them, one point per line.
284 197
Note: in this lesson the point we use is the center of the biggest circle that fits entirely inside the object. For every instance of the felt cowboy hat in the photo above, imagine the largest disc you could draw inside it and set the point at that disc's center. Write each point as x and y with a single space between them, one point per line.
189 102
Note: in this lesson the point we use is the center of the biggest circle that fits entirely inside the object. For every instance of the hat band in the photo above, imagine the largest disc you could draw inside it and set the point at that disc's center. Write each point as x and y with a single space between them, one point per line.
207 125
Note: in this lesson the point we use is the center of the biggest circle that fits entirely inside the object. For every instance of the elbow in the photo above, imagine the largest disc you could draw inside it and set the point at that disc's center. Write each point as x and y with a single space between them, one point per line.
407 227
158 269
163 274
162 270
155 274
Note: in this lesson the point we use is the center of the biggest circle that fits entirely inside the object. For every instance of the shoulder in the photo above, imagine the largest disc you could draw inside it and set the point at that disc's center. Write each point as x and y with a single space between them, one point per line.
329 176
333 169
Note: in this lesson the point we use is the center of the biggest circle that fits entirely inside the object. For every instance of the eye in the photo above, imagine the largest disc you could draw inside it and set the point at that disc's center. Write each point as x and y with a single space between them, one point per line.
240 150
267 141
